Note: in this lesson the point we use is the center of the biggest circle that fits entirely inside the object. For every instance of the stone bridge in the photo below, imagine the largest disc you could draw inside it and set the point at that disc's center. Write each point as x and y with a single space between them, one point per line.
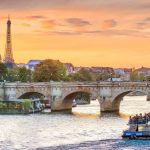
61 94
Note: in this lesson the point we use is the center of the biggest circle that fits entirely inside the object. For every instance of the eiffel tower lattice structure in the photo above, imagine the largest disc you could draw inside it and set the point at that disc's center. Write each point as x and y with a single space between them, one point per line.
8 57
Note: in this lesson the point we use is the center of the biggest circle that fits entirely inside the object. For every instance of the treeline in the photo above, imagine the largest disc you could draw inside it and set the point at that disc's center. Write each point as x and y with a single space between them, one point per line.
54 70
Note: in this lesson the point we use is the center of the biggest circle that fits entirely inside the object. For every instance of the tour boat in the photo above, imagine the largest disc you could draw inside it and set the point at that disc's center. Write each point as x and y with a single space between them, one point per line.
137 131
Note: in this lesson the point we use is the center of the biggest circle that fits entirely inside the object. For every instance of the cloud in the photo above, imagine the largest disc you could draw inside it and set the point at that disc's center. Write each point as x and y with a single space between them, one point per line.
107 33
35 17
144 24
78 22
81 4
61 33
31 4
49 24
147 19
119 33
122 5
109 24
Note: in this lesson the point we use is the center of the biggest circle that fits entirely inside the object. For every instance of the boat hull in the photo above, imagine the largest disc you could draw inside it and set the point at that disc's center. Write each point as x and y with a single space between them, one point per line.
136 135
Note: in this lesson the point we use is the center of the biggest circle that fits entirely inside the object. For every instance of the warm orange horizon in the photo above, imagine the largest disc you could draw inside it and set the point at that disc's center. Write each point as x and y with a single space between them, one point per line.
84 33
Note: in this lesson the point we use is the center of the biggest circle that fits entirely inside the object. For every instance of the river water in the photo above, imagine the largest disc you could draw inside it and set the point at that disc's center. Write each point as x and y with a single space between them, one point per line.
85 129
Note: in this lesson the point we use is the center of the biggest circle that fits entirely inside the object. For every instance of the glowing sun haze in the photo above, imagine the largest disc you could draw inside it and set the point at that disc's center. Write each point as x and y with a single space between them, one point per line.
84 32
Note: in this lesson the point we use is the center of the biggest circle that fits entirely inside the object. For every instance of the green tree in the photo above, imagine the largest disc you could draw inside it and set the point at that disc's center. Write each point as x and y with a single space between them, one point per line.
19 74
100 77
82 75
3 71
141 77
49 70
11 75
147 78
24 74
134 76
27 105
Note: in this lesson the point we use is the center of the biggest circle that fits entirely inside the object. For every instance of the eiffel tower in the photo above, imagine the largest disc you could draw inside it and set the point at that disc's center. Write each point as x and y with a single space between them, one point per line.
8 57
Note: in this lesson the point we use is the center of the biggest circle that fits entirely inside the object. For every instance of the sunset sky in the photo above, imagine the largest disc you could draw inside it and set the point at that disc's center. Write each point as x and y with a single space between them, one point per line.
84 32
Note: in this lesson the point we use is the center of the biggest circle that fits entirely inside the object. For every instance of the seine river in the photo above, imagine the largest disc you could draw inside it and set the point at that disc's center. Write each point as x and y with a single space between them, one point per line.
85 129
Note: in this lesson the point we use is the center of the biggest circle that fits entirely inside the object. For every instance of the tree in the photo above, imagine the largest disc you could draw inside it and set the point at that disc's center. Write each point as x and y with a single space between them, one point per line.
3 71
19 74
24 74
100 77
134 76
82 75
49 70
11 75
27 105
141 77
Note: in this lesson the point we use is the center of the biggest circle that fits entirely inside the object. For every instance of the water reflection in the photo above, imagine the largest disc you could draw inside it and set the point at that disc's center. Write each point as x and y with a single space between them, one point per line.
134 104
130 105
85 124
90 110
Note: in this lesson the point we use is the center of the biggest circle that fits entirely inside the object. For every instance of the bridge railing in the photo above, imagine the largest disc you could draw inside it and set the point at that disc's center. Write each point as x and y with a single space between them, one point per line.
103 83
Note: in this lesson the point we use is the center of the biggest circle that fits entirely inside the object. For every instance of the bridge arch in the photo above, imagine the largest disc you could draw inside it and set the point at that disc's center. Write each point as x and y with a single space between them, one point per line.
28 95
117 99
68 97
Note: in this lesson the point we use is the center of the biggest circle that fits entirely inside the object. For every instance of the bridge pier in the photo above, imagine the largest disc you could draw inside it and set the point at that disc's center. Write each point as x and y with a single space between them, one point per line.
148 97
57 105
107 105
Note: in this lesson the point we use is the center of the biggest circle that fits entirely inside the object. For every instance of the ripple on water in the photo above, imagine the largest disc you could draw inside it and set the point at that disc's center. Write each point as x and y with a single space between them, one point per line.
61 131
109 144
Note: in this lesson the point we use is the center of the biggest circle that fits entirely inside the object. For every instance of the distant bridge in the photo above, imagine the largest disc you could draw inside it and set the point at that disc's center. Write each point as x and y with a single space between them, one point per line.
61 94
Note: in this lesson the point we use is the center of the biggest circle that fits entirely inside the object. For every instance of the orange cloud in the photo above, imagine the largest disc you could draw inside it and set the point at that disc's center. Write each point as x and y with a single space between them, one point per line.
78 22
109 24
81 25
35 17
49 24
144 24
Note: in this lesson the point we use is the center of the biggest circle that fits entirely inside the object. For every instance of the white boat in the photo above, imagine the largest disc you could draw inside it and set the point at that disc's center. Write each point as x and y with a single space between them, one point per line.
138 130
